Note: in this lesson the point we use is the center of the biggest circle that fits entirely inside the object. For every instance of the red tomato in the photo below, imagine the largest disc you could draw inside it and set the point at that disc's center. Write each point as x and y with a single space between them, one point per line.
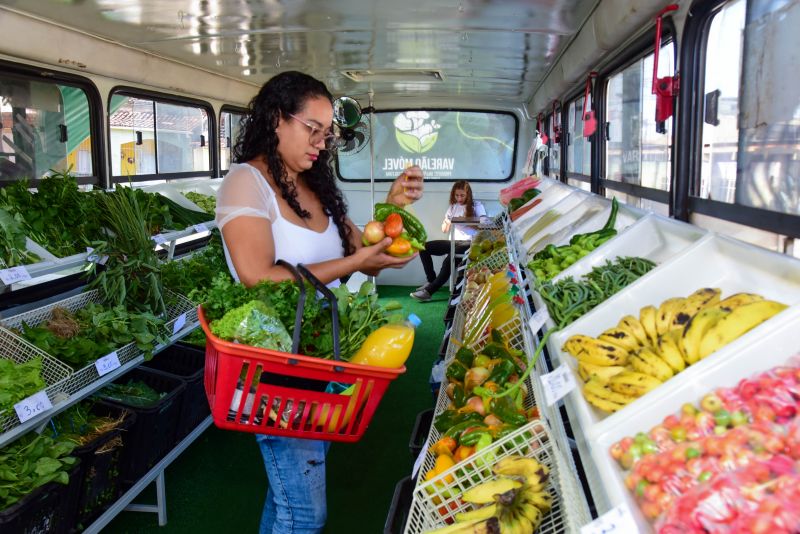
393 225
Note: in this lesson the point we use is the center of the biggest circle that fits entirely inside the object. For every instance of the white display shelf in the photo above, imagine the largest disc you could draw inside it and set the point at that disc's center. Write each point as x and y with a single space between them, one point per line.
775 345
713 261
574 211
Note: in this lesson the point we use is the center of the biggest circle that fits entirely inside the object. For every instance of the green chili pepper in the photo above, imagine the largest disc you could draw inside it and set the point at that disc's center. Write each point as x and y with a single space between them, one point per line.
465 356
456 371
471 437
501 372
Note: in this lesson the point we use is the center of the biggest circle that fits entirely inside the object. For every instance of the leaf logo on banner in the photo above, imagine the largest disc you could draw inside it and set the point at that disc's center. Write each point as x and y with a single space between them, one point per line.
415 131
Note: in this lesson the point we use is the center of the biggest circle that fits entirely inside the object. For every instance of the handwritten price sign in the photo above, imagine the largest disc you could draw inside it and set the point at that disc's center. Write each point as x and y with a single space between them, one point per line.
616 521
14 275
32 406
107 363
557 384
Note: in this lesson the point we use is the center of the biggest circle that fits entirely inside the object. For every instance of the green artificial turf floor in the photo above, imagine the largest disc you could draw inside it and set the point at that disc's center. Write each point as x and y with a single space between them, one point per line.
218 484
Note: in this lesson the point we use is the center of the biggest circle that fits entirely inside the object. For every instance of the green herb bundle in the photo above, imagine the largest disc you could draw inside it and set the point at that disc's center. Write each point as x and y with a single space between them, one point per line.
94 331
13 250
79 425
206 202
18 381
132 274
30 462
194 275
57 215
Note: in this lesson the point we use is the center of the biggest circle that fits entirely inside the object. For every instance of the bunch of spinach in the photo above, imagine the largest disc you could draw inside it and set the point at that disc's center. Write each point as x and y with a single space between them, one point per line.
206 202
94 331
194 275
13 250
18 381
57 215
133 393
30 462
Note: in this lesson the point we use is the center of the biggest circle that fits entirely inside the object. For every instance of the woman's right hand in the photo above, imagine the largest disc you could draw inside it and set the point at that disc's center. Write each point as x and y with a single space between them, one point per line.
372 259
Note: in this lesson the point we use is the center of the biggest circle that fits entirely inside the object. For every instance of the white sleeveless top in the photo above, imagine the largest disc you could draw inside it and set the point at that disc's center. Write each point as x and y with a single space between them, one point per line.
245 192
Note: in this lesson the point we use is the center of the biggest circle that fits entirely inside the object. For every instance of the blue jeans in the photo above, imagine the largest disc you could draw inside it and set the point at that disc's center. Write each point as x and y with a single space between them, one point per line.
296 502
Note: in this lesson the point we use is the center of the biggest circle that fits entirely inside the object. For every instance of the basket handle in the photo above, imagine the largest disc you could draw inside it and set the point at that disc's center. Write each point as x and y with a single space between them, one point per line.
322 288
301 302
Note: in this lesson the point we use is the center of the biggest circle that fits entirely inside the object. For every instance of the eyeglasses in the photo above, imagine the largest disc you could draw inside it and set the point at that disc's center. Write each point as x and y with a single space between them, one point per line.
318 134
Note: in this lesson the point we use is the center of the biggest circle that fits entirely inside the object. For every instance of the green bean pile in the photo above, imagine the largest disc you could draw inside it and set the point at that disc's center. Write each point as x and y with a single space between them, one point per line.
567 299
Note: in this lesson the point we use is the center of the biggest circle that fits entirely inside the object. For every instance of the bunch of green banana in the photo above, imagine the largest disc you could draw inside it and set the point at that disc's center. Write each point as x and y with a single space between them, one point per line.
513 503
639 354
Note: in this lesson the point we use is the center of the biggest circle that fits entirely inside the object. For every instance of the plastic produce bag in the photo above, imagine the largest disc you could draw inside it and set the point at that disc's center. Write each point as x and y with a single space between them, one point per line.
254 324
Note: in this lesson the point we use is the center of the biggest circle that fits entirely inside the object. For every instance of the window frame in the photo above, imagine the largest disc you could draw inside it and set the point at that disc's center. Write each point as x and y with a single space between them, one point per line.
94 101
227 108
566 102
642 47
689 154
515 155
165 98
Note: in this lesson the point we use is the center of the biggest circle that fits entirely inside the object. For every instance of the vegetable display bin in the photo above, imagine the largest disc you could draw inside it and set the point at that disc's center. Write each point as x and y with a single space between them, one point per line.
263 391
101 461
152 436
187 363
398 510
422 425
47 509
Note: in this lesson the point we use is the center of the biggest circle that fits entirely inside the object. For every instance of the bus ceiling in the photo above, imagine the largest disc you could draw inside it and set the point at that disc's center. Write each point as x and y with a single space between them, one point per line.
507 52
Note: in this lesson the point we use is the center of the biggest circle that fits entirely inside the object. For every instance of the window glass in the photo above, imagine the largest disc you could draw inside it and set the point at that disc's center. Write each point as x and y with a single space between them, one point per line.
579 149
721 103
447 145
635 153
641 203
586 186
749 56
228 131
43 126
150 137
555 148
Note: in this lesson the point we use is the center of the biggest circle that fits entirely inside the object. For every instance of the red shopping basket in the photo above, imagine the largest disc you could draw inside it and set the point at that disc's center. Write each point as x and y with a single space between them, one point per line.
264 391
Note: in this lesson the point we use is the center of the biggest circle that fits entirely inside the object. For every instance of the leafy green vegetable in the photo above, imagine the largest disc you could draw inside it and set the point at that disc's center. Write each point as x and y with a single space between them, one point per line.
18 381
13 250
194 275
206 202
253 324
133 393
32 461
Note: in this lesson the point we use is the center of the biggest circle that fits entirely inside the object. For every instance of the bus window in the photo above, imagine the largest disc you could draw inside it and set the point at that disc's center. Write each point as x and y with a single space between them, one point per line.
580 184
554 161
229 122
43 126
765 123
638 202
579 148
157 140
447 145
635 153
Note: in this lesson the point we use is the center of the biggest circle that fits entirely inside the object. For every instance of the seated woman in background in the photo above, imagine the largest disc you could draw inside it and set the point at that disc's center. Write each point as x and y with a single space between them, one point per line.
461 205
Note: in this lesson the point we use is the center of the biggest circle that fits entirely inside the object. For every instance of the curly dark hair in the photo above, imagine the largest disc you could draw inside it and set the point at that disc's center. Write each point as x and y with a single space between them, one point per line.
283 94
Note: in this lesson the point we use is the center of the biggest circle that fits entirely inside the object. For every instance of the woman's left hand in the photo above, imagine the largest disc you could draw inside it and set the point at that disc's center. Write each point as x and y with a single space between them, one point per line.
407 188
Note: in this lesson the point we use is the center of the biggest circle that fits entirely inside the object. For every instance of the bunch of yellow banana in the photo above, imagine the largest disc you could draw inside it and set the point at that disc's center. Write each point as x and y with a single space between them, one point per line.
638 354
513 503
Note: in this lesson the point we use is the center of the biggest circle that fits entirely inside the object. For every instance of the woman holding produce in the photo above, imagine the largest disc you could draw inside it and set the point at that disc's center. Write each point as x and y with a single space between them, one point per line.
461 205
280 201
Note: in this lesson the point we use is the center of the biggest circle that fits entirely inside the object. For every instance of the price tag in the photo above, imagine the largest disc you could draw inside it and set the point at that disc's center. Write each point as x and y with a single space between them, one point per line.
538 320
557 384
419 460
199 228
180 322
618 520
14 275
107 363
159 239
95 258
32 406
455 300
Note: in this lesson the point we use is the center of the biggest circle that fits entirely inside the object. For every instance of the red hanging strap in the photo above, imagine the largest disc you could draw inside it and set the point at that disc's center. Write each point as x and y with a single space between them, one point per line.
540 128
664 88
589 120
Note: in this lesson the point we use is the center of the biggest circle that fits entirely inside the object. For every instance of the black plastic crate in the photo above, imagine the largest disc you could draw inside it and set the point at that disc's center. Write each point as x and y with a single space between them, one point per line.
187 362
101 458
47 509
152 435
401 504
419 434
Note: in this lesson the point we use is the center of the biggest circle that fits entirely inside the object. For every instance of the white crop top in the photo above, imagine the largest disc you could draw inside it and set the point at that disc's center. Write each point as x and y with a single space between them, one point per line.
245 192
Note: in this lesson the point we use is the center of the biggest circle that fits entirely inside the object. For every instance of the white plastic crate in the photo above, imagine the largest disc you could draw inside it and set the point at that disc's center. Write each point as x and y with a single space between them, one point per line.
436 501
572 212
776 343
551 194
714 261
